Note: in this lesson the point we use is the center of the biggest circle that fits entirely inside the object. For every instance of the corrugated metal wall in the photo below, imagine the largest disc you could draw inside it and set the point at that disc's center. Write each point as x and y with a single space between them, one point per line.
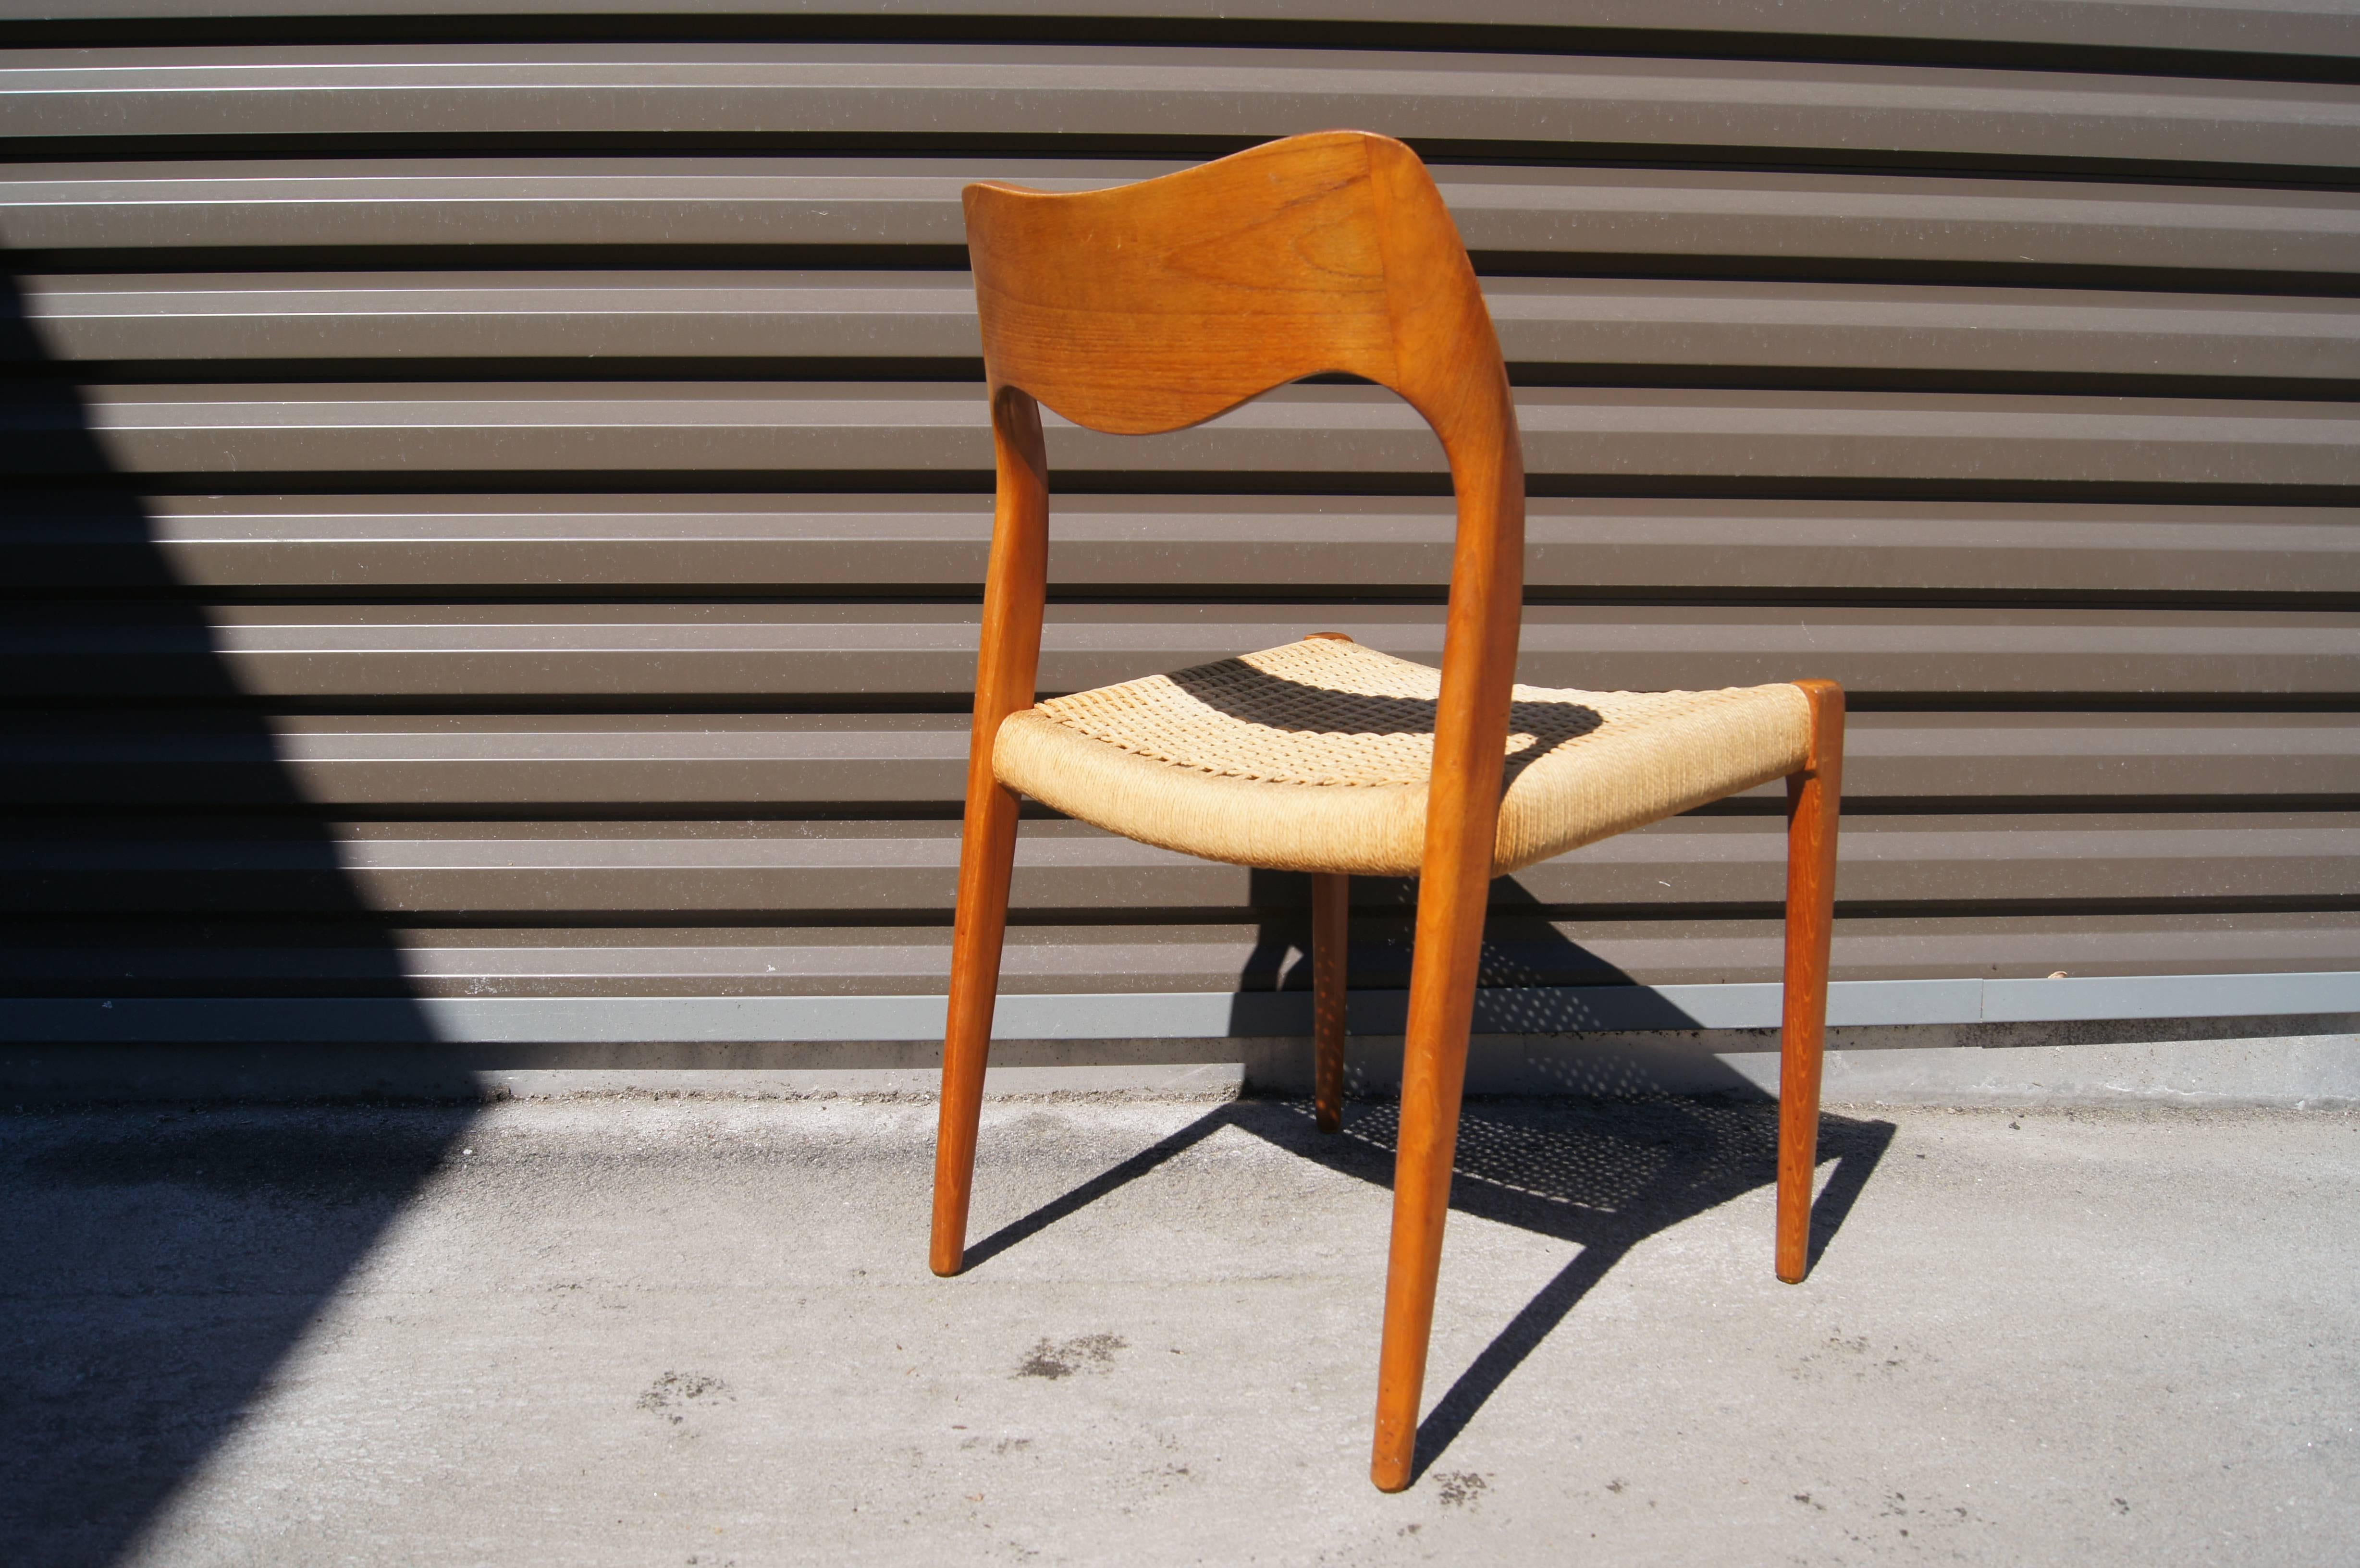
497 502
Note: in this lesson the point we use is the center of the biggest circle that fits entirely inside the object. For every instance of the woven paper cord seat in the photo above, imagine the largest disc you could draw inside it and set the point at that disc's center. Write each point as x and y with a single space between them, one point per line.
1315 756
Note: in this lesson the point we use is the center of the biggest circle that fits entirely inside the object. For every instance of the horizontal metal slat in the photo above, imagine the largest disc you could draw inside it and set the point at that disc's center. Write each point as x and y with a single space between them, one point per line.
1561 215
610 870
724 655
1838 327
1649 434
1368 545
1963 756
559 763
544 315
1813 328
508 760
851 91
2318 27
254 959
616 200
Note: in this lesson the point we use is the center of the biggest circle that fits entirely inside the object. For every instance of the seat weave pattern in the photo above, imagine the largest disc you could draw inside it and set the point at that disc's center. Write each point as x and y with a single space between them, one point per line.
1316 755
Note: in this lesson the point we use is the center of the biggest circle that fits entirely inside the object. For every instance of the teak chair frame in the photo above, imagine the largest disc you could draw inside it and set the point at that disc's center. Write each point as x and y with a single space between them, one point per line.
1157 306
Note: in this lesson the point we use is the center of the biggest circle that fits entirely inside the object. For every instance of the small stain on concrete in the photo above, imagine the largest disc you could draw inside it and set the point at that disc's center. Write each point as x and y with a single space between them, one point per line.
1459 1488
675 1388
1053 1360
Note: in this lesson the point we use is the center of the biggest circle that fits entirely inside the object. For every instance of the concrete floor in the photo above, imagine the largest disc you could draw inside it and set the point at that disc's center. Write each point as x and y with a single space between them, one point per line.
702 1333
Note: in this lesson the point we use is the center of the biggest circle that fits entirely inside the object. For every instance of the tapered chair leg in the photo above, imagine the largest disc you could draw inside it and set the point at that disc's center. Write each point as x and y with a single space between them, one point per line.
987 861
1433 1080
1813 800
1331 925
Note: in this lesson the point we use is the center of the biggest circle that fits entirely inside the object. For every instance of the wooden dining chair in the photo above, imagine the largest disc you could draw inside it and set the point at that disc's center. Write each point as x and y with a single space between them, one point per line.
1159 305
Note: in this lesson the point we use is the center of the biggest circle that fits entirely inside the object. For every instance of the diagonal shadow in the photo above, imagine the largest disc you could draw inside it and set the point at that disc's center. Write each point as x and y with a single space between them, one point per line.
159 1266
1527 961
1233 687
1097 1187
1712 1151
1603 1175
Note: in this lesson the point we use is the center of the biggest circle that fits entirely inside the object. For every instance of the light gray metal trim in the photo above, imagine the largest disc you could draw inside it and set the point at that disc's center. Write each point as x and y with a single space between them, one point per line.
1183 1015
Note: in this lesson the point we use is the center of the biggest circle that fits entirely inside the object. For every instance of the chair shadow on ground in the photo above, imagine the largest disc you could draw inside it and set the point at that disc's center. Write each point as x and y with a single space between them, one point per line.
1616 1160
1606 1175
1603 1175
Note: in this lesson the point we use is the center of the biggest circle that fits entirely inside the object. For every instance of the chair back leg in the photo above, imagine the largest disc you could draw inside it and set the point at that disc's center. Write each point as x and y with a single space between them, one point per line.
1813 802
987 861
1332 924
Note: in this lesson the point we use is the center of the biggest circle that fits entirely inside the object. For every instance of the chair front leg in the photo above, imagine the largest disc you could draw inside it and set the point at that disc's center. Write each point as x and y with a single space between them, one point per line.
1813 802
1434 1079
987 862
1332 928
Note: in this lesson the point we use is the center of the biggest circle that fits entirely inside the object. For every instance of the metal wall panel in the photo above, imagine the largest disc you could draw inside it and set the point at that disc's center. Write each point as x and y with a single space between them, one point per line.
839 763
498 503
1596 329
845 655
2319 30
1538 217
823 93
1367 547
1572 436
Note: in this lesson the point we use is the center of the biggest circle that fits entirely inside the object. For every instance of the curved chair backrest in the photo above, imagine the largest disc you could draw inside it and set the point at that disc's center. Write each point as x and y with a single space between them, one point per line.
1154 306
1159 305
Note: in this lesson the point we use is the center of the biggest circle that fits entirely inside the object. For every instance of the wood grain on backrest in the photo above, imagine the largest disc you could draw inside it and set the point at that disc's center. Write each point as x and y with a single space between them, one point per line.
1159 305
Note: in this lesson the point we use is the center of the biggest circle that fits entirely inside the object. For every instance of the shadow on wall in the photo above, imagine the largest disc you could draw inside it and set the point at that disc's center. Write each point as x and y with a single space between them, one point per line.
1603 1175
155 845
1527 964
